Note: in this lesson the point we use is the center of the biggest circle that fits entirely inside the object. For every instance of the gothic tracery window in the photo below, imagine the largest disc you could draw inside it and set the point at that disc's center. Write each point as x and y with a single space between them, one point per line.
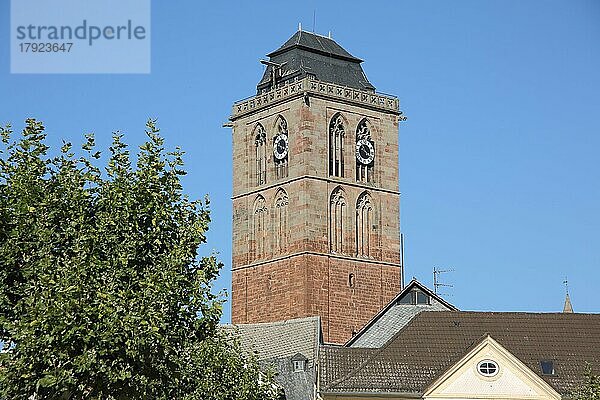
258 242
364 225
337 214
280 148
365 152
280 220
336 146
260 148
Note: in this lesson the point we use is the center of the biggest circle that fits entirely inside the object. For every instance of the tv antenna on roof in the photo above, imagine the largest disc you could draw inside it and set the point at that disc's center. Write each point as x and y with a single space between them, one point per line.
436 279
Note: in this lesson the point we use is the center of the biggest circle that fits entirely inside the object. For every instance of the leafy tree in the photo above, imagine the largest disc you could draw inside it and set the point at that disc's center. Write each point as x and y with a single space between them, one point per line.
102 294
590 388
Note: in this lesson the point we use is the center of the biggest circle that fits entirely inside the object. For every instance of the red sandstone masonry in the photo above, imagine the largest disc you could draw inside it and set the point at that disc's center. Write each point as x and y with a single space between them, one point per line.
307 285
305 279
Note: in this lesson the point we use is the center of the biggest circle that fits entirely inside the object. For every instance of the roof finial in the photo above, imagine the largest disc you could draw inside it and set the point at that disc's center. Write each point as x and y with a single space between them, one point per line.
300 26
329 35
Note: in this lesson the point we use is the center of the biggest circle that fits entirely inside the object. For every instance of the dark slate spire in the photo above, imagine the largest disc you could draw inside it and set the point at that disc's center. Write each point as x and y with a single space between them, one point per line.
308 54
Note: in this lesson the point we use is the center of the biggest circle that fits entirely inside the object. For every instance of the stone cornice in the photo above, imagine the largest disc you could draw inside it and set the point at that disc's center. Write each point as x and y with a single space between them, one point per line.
330 179
258 263
308 87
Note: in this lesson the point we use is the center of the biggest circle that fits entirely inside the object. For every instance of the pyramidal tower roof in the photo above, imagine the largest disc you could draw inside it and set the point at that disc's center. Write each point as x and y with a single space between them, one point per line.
315 43
319 57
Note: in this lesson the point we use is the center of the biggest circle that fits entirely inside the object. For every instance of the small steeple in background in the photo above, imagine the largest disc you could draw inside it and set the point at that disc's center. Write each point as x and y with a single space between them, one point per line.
568 307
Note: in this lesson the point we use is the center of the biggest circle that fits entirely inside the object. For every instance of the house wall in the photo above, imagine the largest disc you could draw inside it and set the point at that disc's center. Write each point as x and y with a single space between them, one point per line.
373 397
513 381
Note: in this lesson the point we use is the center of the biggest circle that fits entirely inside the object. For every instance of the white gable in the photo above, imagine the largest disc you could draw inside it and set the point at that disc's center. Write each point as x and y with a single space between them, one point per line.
512 381
506 383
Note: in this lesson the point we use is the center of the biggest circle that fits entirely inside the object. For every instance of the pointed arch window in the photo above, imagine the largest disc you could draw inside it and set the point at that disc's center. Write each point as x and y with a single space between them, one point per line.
337 214
365 152
280 220
260 149
259 230
281 148
364 225
337 132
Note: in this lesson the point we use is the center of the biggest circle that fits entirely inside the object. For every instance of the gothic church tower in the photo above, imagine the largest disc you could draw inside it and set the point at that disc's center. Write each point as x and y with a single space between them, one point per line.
316 226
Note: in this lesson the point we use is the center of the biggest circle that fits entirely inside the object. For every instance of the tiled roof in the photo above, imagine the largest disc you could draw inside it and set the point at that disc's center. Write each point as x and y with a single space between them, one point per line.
338 362
395 315
308 54
278 343
388 324
281 339
434 341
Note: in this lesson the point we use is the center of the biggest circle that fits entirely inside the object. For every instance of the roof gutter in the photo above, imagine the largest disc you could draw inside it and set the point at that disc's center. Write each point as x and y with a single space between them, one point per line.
407 395
350 58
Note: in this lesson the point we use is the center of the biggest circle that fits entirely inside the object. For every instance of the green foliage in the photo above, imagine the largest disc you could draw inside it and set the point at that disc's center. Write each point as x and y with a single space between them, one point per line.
102 294
226 375
590 388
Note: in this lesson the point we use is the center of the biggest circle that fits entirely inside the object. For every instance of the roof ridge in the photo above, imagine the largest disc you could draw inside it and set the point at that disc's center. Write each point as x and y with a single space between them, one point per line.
278 323
357 368
410 323
322 46
375 352
326 46
522 312
317 34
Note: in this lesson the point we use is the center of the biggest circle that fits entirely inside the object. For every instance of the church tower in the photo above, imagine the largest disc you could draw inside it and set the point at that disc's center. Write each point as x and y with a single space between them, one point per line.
316 206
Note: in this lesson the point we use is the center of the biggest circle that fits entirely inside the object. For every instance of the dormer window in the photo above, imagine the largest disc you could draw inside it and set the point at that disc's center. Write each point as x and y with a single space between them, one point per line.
421 298
299 365
406 299
547 367
415 297
299 362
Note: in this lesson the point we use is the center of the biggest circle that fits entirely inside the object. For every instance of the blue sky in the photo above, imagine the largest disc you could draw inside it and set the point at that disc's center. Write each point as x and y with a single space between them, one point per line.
499 159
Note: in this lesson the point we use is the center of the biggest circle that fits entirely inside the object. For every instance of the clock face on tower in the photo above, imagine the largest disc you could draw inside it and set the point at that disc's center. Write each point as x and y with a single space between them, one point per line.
365 152
280 146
